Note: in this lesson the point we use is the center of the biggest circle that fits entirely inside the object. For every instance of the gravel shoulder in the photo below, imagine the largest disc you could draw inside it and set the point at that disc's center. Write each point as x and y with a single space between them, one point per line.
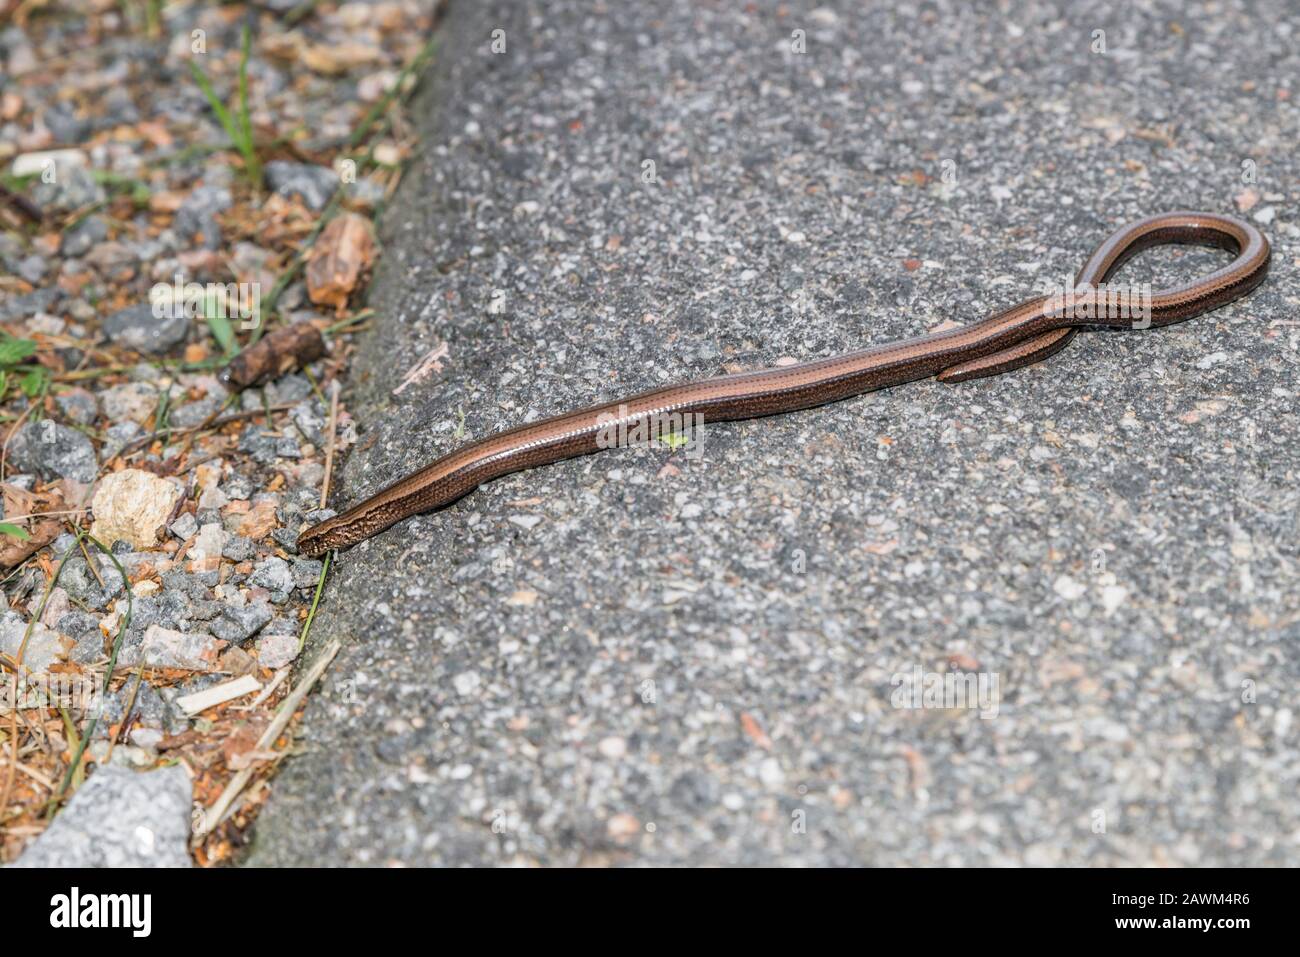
643 657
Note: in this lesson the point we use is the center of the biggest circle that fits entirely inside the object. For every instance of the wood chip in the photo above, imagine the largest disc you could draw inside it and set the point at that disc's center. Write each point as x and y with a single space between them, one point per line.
192 704
212 817
284 350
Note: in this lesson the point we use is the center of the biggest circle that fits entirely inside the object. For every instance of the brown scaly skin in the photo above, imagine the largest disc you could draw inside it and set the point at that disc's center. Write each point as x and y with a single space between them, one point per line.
1025 333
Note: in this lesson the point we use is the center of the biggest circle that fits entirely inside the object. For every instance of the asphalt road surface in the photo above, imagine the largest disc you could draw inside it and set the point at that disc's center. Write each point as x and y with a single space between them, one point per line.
708 654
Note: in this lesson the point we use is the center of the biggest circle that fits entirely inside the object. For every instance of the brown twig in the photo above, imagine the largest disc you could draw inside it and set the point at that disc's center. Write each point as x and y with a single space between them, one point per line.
24 206
209 423
66 511
126 716
90 564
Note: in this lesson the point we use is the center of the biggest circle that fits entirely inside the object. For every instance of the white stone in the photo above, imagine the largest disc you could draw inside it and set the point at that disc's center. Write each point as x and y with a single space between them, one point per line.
770 773
612 747
276 651
1112 597
133 506
1069 589
33 164
205 554
465 683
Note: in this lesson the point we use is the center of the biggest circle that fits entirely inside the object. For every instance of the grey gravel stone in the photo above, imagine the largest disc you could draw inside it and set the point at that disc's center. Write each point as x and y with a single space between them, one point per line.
79 240
54 451
237 624
78 405
194 413
26 305
261 443
130 401
61 119
289 388
205 610
119 108
144 372
275 576
120 818
43 645
138 328
310 420
163 647
186 526
11 251
148 707
88 649
238 487
187 586
287 447
276 650
33 268
73 188
367 192
198 214
306 572
65 541
280 625
169 609
74 624
238 548
117 437
315 184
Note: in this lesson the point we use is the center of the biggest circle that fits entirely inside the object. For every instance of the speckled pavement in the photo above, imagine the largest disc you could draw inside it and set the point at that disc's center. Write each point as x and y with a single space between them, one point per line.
642 657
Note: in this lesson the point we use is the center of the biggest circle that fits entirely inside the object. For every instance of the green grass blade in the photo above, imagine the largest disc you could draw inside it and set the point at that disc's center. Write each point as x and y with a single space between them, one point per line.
245 119
219 108
220 327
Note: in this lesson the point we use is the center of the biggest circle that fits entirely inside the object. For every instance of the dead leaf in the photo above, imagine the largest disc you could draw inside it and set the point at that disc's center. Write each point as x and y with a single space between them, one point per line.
241 743
336 58
755 731
166 201
431 363
14 551
344 251
961 661
42 531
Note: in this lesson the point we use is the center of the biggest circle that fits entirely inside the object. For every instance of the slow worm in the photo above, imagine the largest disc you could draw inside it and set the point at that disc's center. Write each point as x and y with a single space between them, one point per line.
1025 333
